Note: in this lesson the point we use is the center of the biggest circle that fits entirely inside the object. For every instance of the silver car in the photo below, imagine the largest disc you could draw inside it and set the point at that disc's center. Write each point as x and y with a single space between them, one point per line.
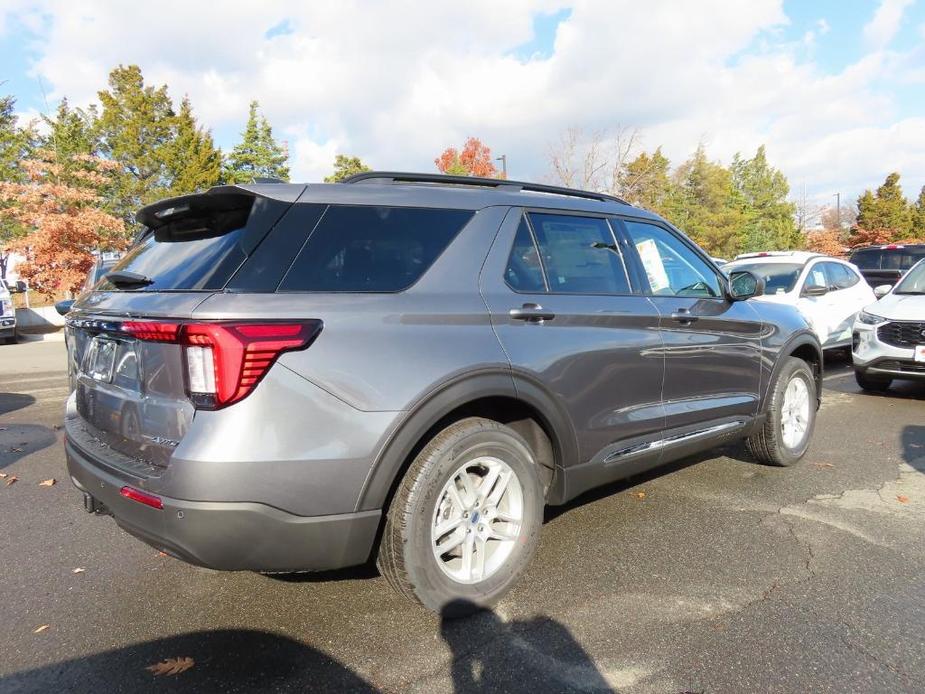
407 368
888 341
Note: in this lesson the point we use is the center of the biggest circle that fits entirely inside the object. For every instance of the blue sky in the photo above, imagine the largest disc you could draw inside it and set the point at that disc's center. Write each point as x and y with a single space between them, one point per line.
836 90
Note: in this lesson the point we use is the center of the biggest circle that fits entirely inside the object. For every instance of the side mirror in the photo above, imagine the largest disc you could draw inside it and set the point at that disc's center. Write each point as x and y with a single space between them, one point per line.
882 290
744 285
62 307
815 290
20 288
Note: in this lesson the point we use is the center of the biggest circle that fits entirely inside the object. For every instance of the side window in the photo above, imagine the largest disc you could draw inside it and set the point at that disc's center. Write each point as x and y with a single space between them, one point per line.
524 272
580 254
816 277
672 268
840 276
372 249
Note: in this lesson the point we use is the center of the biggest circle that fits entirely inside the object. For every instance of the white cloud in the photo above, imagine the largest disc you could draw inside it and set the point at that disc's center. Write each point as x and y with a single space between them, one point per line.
823 26
885 23
397 82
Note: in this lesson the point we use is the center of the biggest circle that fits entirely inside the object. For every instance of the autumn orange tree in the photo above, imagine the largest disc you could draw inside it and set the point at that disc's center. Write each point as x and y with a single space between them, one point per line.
59 211
473 160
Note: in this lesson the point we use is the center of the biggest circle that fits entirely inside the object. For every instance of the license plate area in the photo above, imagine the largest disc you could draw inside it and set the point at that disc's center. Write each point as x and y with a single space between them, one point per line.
920 353
101 359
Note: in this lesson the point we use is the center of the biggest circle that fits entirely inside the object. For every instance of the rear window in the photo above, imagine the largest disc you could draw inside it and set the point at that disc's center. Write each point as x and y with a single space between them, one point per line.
887 258
372 249
200 248
867 259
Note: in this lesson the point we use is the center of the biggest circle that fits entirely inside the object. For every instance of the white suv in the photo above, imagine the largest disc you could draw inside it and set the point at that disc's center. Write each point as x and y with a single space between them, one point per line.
7 314
888 341
828 292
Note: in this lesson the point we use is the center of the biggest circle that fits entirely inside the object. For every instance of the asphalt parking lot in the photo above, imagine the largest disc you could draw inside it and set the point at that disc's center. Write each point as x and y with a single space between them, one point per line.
712 575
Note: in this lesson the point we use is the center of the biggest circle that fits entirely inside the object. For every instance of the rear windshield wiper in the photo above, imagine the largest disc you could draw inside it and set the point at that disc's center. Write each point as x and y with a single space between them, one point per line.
124 278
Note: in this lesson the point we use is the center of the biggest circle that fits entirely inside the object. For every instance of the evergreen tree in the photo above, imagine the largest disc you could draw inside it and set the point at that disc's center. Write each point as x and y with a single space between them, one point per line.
137 128
345 167
193 162
16 143
258 155
887 210
71 133
646 182
917 229
706 205
769 216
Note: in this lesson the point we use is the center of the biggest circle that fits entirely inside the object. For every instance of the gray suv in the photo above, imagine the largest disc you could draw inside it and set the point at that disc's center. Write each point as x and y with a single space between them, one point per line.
408 368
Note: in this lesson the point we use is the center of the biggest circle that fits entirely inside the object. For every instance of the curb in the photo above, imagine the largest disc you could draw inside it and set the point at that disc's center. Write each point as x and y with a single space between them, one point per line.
57 336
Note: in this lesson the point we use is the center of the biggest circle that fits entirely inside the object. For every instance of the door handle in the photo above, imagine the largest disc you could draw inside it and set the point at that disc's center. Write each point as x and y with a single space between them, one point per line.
532 313
683 316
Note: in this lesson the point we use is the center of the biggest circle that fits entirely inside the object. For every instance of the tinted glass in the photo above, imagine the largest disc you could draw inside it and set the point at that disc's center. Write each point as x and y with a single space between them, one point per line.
524 272
580 255
779 278
671 266
867 259
372 249
193 264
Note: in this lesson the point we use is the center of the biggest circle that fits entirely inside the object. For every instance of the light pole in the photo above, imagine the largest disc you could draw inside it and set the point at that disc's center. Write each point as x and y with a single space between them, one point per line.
838 211
503 160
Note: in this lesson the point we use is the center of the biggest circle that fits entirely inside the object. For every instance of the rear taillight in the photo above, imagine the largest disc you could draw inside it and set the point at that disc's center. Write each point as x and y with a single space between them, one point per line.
225 361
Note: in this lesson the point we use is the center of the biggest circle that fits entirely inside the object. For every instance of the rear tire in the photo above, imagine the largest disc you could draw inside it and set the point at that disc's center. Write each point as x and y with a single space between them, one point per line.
452 498
871 383
791 416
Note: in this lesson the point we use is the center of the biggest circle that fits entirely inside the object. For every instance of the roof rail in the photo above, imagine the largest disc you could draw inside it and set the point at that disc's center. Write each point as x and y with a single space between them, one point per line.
501 183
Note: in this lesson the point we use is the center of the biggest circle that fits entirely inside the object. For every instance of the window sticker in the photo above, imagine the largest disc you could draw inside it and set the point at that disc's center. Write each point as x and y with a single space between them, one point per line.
652 262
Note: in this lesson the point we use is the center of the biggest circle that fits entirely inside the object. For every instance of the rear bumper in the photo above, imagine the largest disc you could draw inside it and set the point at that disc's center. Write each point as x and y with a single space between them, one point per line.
228 535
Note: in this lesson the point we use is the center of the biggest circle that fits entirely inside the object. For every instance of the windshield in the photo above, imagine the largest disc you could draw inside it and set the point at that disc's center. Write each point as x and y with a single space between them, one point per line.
913 282
779 278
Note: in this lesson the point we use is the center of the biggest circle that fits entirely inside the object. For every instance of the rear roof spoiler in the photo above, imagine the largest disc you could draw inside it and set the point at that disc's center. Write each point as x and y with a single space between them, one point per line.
165 211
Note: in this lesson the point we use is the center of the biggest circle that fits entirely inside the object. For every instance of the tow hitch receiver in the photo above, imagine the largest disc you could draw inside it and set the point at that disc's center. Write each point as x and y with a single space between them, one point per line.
91 505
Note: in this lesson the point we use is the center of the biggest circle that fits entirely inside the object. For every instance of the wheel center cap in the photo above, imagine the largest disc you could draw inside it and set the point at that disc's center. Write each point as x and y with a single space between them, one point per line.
474 518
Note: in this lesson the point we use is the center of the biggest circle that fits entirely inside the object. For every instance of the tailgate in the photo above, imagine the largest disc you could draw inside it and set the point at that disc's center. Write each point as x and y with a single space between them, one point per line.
130 395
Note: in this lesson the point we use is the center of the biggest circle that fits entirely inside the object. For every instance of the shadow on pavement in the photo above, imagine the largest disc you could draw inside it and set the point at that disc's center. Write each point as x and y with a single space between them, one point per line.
10 402
488 655
913 442
229 660
533 655
19 440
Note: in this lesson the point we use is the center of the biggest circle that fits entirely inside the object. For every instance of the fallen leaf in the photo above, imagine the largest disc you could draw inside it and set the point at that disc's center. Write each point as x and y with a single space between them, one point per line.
3 475
823 464
11 480
78 570
47 483
902 498
639 495
15 450
39 630
171 666
162 554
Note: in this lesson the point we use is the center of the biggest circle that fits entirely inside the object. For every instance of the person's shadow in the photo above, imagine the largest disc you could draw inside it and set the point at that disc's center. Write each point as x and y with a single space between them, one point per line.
534 655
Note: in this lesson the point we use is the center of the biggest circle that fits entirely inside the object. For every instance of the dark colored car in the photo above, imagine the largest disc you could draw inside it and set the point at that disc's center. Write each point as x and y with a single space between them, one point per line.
886 264
409 367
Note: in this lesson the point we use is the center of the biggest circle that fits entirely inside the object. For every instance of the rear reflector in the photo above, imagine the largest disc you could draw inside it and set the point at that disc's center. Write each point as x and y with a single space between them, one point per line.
225 360
142 497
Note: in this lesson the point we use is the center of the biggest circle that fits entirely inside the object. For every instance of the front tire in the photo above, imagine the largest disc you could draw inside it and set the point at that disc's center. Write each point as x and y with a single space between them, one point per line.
465 519
876 385
791 417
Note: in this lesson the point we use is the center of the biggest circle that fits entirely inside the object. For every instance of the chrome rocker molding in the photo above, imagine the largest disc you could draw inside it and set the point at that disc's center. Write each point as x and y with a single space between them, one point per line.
652 446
